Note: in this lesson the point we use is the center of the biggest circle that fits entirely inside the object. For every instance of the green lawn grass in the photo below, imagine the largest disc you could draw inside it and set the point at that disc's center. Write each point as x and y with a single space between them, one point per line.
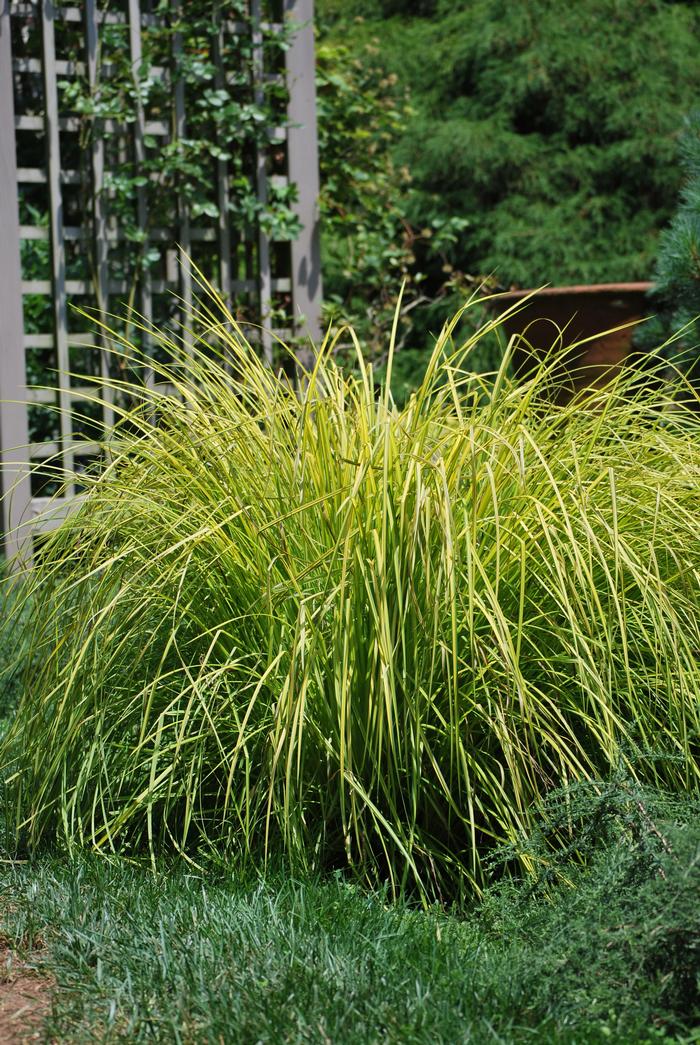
606 951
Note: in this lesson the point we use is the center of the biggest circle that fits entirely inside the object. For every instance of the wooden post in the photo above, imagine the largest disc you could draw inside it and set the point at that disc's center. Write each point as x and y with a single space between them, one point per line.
99 215
264 269
144 277
56 236
183 209
302 158
14 436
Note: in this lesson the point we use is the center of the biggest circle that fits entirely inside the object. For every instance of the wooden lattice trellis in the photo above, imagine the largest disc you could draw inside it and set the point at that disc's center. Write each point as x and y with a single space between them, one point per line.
60 242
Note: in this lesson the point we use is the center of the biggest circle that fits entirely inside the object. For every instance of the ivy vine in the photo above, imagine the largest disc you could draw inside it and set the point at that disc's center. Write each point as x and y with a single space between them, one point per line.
227 114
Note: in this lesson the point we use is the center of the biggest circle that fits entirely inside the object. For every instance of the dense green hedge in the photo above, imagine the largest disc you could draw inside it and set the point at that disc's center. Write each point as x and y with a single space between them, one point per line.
551 128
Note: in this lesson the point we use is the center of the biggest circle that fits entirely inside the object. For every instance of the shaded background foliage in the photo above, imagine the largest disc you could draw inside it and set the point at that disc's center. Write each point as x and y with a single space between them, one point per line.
542 136
370 247
675 296
522 143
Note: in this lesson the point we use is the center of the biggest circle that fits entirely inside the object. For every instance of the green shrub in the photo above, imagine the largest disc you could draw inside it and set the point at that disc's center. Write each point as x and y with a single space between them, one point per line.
368 245
551 128
677 276
310 622
676 291
607 931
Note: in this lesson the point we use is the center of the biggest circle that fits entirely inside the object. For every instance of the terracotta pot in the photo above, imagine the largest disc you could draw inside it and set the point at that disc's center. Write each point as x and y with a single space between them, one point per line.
580 312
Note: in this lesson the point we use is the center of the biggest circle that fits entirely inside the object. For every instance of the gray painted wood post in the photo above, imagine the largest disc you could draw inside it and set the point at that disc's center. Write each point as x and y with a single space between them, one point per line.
183 209
264 270
302 156
145 282
222 189
99 210
56 235
14 437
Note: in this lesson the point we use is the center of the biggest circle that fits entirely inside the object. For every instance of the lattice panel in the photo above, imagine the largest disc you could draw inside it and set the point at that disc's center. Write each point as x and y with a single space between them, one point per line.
90 238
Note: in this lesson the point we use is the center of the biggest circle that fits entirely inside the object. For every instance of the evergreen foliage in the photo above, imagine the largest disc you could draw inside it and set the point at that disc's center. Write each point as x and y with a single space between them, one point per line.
608 929
369 246
677 277
550 127
678 266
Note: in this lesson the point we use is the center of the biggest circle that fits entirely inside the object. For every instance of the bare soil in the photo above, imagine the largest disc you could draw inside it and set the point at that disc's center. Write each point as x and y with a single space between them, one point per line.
25 998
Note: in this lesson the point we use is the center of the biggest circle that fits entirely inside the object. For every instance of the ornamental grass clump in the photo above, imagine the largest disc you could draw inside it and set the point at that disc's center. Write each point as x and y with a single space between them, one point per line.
302 622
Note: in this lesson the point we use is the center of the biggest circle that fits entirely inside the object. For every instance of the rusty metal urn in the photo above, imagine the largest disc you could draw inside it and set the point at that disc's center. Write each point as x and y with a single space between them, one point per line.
580 312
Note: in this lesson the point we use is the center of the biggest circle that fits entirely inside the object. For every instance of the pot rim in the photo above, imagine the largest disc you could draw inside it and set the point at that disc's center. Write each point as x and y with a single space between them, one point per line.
576 290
